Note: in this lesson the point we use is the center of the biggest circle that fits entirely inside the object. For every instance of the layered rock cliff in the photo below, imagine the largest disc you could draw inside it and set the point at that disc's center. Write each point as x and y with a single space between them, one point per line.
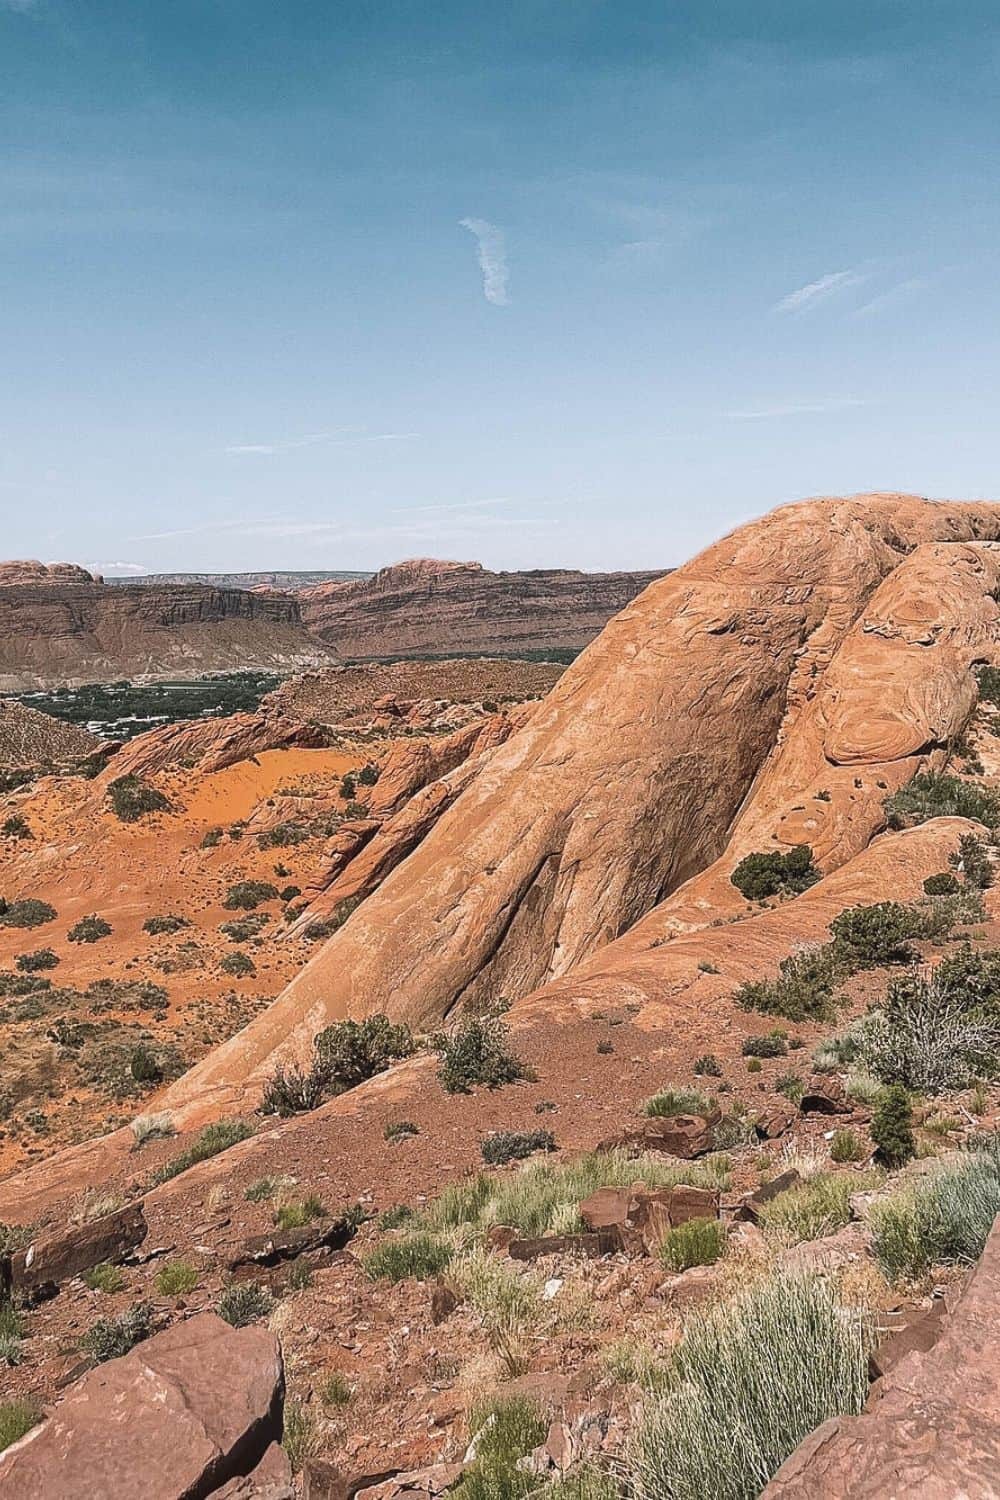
59 626
430 608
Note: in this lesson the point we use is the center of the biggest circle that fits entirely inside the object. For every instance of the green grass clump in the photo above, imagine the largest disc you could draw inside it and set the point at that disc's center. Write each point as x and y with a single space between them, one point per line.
394 1217
678 1102
336 1390
400 1130
417 1254
505 1430
213 1139
699 1242
813 1209
11 1331
514 1145
301 1438
299 1212
749 1380
104 1278
176 1278
941 1219
16 1418
846 1146
243 1303
109 1338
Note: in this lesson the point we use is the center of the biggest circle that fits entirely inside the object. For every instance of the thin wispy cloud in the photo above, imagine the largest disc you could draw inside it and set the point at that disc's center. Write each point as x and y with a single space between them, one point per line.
898 293
492 259
425 530
823 407
339 437
116 569
816 292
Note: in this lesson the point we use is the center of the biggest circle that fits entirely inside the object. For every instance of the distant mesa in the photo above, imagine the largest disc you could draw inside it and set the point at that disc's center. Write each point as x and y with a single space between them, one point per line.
32 571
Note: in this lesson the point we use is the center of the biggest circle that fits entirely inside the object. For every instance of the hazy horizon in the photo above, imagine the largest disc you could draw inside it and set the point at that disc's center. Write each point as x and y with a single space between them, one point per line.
309 287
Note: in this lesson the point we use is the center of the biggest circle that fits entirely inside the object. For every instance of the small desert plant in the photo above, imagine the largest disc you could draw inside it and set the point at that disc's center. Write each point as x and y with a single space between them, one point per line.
239 965
16 827
678 1102
211 838
104 1278
973 862
301 1438
892 1127
846 1146
16 1419
941 1219
243 1303
812 1209
416 1254
216 1137
11 1330
477 1051
176 1278
789 1084
930 1035
869 936
89 930
514 1145
298 1212
505 1429
707 1066
944 883
245 895
761 875
750 1379
109 1338
936 794
131 799
395 1217
348 787
34 963
290 1091
803 990
26 913
349 1052
168 922
400 1130
336 1390
775 1044
243 929
147 1128
368 775
699 1242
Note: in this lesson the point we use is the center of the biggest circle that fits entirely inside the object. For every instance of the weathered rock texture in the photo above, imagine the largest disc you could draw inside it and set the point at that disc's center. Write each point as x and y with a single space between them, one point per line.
429 608
627 777
57 630
209 744
343 695
177 1418
30 738
933 1425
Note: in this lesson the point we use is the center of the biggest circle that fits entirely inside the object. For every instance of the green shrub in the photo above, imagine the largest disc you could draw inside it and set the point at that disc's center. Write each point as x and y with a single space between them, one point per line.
297 1213
216 1137
211 838
754 1065
239 965
34 963
505 1430
869 936
26 913
16 827
243 929
176 1278
283 836
812 1209
290 1091
699 1242
350 1052
761 875
936 794
132 798
941 1219
247 894
775 1044
89 930
243 1303
416 1254
289 893
751 1378
846 1146
166 923
931 1035
477 1052
368 775
395 1217
973 862
16 1419
400 1130
109 1338
803 990
348 788
789 1084
336 1390
104 1278
707 1066
892 1127
678 1102
514 1145
355 810
943 883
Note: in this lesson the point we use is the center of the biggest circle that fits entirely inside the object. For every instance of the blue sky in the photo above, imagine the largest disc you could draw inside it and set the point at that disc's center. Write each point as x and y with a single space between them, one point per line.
554 282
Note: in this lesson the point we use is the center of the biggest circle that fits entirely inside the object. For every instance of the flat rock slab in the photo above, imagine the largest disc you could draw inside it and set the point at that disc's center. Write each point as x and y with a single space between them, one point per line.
56 1257
932 1429
175 1419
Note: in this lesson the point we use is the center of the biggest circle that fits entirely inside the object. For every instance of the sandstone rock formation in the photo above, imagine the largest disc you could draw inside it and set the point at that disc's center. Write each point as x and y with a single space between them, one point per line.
208 744
30 738
425 608
353 695
57 630
628 776
180 1416
932 1427
33 571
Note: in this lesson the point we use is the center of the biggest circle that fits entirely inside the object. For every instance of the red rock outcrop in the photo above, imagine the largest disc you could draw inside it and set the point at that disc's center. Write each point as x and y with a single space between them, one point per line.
426 607
32 571
933 1425
55 632
208 744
